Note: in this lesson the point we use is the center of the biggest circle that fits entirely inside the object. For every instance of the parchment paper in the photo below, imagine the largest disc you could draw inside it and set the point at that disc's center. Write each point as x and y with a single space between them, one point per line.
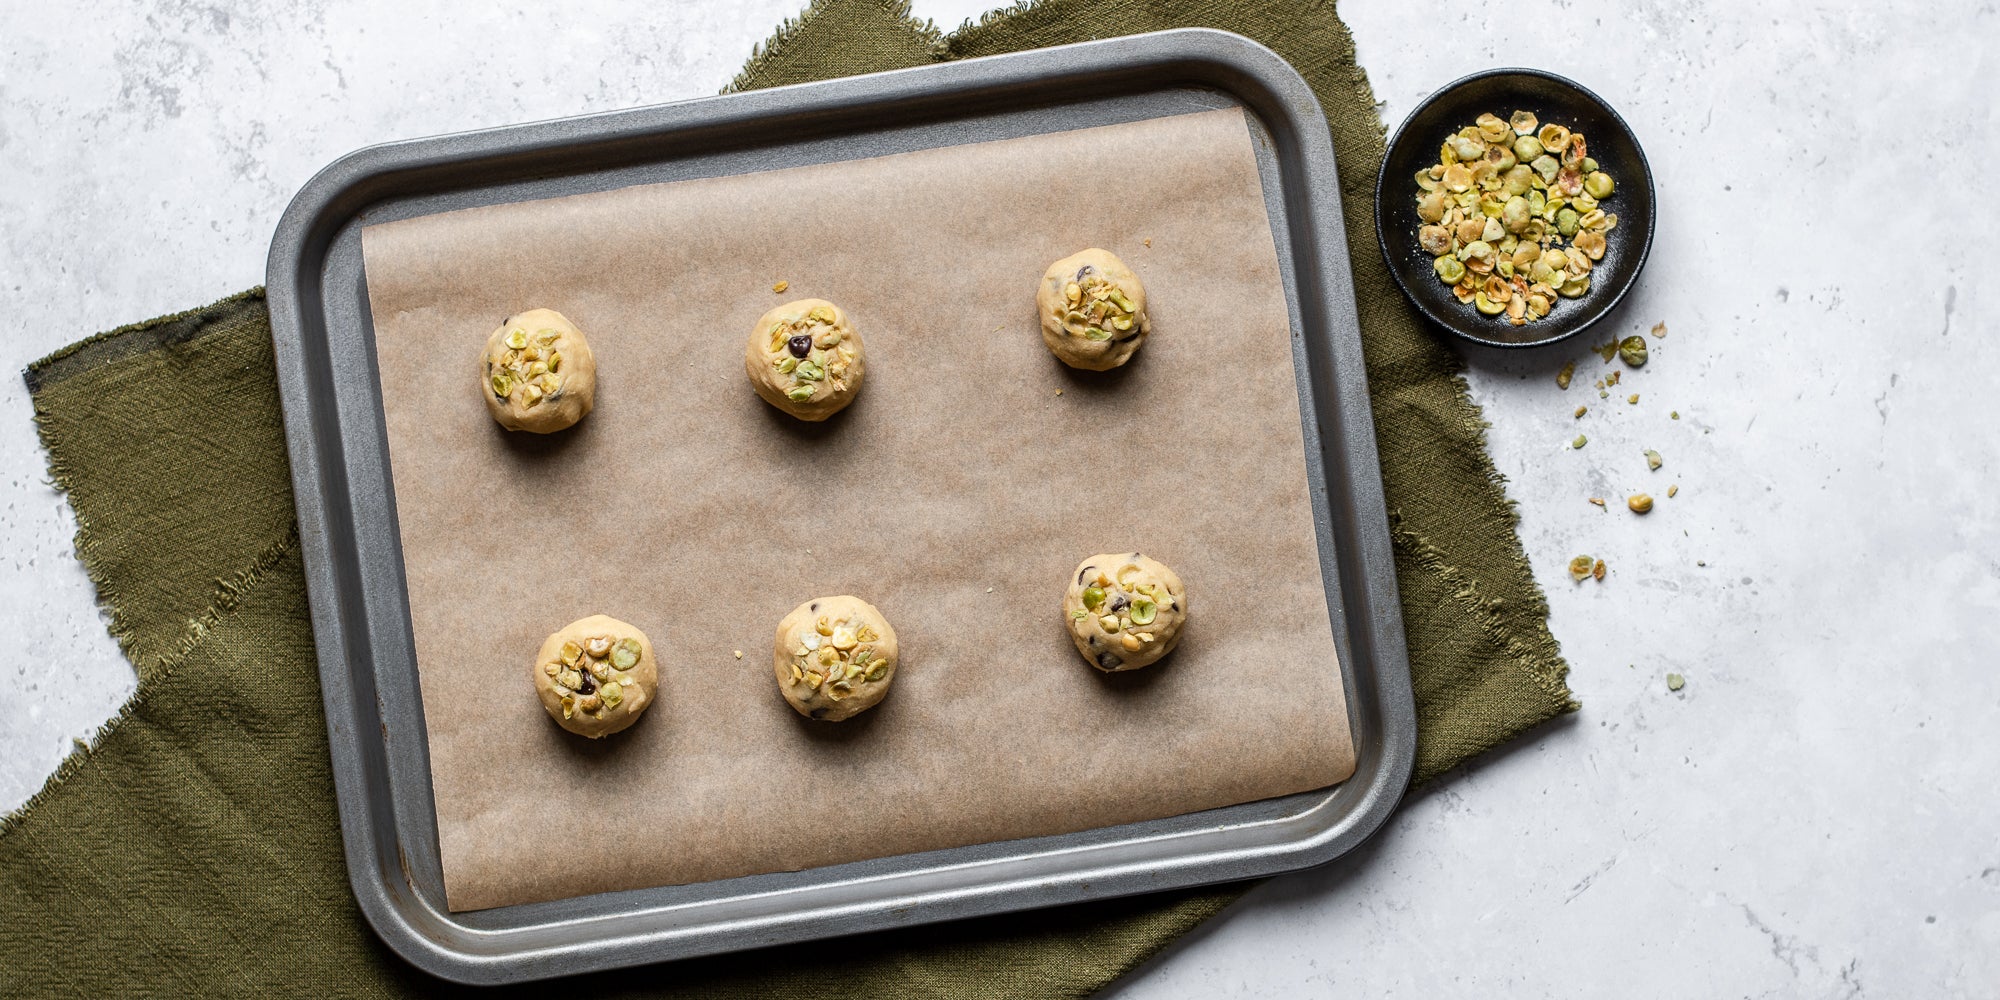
957 493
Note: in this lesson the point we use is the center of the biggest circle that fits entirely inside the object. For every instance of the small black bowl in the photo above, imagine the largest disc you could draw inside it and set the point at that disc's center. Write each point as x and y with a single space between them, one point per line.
1554 100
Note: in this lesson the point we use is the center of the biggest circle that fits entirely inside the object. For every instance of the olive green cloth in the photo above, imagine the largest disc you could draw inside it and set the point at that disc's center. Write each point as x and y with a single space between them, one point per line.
195 848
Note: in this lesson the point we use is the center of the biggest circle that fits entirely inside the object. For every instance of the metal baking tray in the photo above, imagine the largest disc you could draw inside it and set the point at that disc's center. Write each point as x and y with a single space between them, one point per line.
353 559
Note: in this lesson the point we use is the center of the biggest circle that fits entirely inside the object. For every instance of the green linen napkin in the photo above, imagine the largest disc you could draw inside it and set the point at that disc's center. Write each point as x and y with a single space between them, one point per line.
195 848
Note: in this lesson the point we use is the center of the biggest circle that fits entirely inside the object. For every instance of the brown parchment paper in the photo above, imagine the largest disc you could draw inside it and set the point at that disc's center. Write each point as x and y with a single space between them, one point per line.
956 494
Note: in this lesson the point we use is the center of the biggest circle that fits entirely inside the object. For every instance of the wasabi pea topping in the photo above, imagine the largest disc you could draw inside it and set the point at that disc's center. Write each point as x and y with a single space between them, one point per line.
583 677
625 654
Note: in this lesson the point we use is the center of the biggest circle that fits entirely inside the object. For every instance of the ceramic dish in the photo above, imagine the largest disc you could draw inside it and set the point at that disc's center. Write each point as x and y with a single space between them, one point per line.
1553 99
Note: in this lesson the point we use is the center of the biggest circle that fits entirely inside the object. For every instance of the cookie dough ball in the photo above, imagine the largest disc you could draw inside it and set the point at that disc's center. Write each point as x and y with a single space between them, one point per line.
835 657
1093 310
1124 610
596 676
805 359
538 373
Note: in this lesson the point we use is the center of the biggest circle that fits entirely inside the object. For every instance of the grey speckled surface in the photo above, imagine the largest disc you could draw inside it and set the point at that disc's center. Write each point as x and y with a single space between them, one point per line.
1812 815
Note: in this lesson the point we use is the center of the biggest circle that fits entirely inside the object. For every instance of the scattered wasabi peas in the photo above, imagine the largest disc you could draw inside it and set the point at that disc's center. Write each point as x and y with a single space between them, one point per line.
1632 350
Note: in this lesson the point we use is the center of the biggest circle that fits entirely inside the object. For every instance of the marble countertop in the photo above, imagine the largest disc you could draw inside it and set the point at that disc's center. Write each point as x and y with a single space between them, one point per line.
1813 814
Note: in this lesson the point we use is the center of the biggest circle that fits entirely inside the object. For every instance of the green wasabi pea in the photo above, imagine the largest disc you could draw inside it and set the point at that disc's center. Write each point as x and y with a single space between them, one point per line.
1632 350
625 654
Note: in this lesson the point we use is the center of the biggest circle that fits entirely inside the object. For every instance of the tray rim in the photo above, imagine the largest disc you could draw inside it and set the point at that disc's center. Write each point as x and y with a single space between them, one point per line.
441 942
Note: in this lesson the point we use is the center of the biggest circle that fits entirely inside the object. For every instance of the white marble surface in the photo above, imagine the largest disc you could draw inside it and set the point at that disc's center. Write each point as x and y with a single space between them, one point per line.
1813 815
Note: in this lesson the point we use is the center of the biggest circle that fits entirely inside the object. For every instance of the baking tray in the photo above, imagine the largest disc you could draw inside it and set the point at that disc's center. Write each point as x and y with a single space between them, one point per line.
353 560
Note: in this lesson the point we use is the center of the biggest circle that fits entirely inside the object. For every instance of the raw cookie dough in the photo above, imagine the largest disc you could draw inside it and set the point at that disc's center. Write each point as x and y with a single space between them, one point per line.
596 676
1093 310
834 657
805 359
538 373
1124 610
